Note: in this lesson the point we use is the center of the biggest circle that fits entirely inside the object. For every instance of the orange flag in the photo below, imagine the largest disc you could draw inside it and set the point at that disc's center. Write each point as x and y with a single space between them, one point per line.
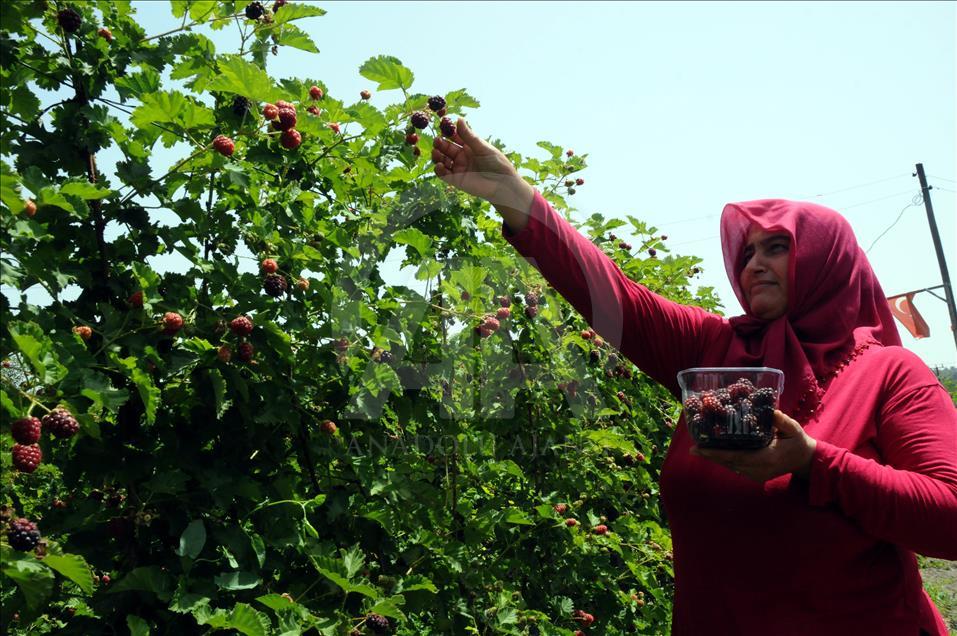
904 310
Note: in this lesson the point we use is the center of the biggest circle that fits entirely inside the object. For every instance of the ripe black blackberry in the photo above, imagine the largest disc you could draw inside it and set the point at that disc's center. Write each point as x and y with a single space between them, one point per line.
275 285
254 10
378 624
723 395
531 299
241 106
447 126
26 430
436 103
763 397
23 535
419 119
61 423
69 19
693 405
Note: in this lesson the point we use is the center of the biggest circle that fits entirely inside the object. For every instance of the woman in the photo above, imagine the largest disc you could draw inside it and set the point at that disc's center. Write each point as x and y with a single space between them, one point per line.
817 533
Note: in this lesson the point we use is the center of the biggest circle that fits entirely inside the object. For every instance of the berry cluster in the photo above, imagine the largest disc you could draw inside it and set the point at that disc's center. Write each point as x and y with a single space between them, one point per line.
26 432
737 417
583 617
69 19
282 114
489 325
378 624
23 535
531 304
420 119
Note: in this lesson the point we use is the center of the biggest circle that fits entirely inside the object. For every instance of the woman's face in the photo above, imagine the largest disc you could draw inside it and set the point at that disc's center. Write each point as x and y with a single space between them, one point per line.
764 279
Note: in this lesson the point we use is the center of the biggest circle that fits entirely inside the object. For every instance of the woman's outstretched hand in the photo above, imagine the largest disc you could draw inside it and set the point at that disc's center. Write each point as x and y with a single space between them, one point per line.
476 167
790 451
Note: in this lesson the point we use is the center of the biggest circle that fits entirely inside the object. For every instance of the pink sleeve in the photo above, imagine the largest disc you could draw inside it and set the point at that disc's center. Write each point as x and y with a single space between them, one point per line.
911 500
660 336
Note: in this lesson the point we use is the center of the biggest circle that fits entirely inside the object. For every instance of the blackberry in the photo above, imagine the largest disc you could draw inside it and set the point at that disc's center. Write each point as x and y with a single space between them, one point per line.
532 311
741 389
447 126
436 103
287 118
490 322
275 285
241 106
254 10
531 298
61 423
723 395
750 424
241 325
277 5
504 301
378 624
503 312
763 397
710 405
26 458
23 535
69 19
693 405
419 119
26 430
245 351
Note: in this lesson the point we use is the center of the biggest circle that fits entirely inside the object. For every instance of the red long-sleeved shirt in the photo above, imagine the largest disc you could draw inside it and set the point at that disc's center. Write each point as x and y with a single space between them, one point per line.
833 554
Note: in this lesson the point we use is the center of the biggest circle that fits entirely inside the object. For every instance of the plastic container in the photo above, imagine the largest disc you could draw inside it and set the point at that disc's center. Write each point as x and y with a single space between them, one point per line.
730 407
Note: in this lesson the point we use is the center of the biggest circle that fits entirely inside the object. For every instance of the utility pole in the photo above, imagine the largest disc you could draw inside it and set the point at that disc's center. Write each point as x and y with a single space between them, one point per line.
945 277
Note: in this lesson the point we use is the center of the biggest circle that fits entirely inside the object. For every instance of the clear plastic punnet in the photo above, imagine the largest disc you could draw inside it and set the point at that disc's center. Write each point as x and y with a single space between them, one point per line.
730 407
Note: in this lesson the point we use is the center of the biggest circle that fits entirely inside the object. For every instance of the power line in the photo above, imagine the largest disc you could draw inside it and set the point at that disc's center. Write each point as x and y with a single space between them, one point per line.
863 185
917 200
942 178
945 189
889 196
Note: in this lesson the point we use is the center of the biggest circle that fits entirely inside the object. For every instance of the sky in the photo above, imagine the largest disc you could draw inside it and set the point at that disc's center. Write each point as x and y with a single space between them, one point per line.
683 107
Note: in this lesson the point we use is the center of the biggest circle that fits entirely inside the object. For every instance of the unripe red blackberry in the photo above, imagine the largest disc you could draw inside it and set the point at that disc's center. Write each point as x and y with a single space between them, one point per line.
224 145
569 153
342 344
302 284
503 312
172 322
504 301
313 110
224 353
60 423
83 331
287 118
560 508
315 92
436 103
328 427
710 405
284 104
245 351
378 624
693 404
275 285
532 311
105 33
69 19
136 299
571 523
23 535
365 94
419 119
447 126
490 322
290 139
600 529
26 430
30 207
241 325
26 457
269 266
579 182
411 139
255 10
334 127
270 111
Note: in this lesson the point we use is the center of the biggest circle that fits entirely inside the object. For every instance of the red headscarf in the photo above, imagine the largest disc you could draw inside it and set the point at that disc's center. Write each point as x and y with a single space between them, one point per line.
835 304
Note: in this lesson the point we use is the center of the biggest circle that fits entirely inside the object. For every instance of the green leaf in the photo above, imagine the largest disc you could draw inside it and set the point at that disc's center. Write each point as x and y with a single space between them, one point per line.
239 77
240 580
73 567
457 100
201 9
516 516
192 540
219 392
51 196
470 278
390 607
414 238
85 190
143 83
150 395
37 348
610 440
178 7
171 107
137 626
10 193
353 559
296 11
291 35
34 580
415 582
245 620
388 71
274 601
145 579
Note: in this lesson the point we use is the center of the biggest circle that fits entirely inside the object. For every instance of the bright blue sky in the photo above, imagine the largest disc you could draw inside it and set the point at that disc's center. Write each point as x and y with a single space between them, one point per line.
683 107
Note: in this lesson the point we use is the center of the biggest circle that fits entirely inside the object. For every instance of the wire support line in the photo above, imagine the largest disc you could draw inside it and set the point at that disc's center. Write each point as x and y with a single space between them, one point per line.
889 196
855 187
942 178
945 189
917 200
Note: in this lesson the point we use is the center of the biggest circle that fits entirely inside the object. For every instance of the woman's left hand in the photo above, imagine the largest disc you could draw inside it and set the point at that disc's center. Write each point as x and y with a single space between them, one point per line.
790 451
